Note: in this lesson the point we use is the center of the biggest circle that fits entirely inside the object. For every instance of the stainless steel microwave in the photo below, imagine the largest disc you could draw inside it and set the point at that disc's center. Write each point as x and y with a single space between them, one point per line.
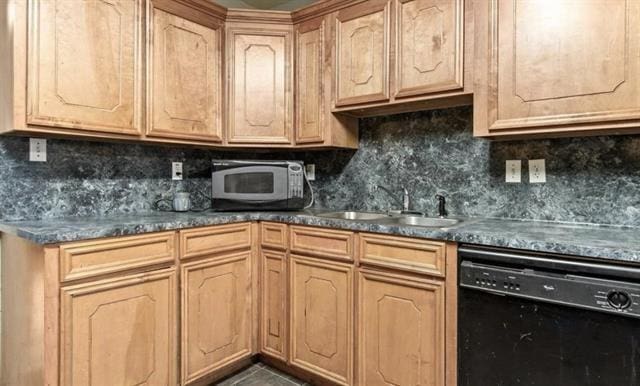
257 185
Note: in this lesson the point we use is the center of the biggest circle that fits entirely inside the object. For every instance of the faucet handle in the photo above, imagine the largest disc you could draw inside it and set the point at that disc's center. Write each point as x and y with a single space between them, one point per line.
442 202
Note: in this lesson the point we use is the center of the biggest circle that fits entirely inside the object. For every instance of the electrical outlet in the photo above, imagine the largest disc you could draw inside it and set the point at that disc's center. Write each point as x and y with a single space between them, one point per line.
176 171
514 171
537 172
37 150
311 171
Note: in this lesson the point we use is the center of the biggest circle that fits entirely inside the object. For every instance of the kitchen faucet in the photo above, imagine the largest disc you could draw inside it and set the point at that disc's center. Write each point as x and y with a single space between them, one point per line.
406 199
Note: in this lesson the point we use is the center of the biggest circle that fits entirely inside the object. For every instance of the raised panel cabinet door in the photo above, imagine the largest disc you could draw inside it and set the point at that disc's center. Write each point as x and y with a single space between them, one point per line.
185 88
429 46
216 314
554 67
120 331
401 332
273 337
322 318
310 89
362 53
85 65
260 97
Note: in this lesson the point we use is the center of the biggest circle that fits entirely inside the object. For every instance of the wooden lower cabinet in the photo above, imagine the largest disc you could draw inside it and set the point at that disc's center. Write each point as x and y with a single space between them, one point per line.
216 314
322 318
273 295
401 329
120 331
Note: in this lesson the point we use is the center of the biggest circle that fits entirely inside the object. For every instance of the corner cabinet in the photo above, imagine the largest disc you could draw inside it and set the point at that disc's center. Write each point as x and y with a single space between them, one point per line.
184 65
260 95
85 65
557 68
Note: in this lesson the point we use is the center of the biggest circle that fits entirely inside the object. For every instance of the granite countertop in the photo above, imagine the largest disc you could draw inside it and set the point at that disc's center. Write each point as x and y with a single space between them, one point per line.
604 242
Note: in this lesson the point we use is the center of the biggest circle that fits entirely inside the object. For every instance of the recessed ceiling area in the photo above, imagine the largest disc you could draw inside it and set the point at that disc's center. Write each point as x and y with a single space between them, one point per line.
278 5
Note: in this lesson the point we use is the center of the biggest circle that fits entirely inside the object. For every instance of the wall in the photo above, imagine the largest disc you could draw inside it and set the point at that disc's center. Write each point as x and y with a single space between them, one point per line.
594 179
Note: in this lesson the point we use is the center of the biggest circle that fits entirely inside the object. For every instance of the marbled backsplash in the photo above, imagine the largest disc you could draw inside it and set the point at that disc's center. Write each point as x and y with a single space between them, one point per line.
594 179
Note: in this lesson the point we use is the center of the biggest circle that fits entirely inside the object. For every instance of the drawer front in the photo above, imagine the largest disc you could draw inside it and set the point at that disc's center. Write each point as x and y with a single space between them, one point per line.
215 239
98 257
420 256
322 242
274 235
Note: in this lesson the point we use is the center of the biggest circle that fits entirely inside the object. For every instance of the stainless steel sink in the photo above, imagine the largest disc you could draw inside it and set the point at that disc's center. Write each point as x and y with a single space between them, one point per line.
354 215
429 222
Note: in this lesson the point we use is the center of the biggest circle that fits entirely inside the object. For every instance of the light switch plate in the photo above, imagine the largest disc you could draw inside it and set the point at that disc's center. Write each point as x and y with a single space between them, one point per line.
37 150
176 171
537 172
311 171
514 171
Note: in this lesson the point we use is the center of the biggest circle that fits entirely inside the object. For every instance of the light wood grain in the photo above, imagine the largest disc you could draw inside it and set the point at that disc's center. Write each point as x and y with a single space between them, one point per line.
214 240
579 75
321 319
216 314
310 68
260 77
273 298
184 70
85 65
429 41
451 315
403 253
362 34
98 257
120 331
401 329
274 235
329 243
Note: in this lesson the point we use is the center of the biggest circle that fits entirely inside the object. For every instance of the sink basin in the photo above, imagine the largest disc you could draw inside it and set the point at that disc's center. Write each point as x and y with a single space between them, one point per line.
429 222
354 215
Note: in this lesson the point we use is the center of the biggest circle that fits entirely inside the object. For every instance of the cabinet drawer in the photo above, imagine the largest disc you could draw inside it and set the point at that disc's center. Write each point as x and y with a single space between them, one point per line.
420 256
215 239
274 235
97 257
322 242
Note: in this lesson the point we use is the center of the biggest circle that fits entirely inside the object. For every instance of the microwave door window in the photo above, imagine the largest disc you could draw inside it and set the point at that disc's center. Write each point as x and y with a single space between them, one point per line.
249 183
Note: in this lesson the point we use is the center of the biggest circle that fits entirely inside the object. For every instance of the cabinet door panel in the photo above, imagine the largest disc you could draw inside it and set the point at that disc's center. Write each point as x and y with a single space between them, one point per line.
401 330
260 89
84 65
362 49
559 66
322 318
216 314
429 46
120 331
274 302
310 90
186 83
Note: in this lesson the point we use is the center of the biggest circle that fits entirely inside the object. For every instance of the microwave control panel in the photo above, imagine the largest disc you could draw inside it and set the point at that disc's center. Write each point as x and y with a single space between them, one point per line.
296 180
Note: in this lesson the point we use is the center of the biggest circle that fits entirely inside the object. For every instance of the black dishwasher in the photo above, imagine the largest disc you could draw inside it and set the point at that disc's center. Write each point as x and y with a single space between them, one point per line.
538 319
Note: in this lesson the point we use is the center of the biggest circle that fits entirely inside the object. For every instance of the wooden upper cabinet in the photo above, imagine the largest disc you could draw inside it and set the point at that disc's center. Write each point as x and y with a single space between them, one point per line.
260 84
401 330
120 331
85 65
556 68
429 46
184 74
362 53
310 89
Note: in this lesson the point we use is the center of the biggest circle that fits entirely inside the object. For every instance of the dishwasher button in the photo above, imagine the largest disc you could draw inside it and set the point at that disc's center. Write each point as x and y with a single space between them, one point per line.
619 300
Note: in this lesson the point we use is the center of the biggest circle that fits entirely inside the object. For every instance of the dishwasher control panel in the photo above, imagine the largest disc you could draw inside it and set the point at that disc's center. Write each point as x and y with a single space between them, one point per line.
620 297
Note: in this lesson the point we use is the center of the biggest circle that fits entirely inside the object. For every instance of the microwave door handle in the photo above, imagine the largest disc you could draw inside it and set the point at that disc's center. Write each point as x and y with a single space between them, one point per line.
254 201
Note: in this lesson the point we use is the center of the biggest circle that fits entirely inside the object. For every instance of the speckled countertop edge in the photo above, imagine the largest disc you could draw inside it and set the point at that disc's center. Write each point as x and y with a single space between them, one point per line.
603 242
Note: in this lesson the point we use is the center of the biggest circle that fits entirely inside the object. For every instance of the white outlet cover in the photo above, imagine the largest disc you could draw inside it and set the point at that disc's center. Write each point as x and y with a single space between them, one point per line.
537 172
37 150
311 171
514 171
176 171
